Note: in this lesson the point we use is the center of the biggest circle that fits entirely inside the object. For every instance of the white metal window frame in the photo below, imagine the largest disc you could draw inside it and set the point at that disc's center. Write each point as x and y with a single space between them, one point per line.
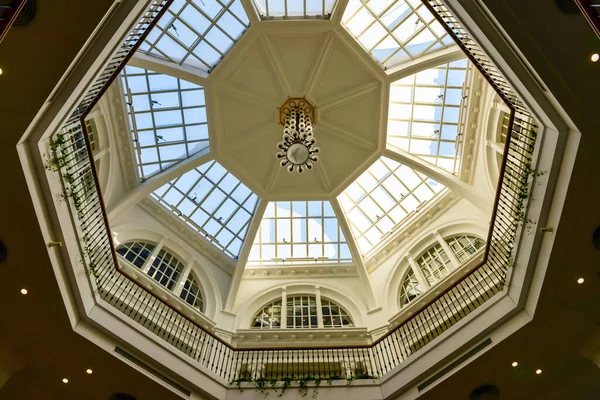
401 30
299 232
135 252
214 202
191 293
425 114
197 33
163 134
288 9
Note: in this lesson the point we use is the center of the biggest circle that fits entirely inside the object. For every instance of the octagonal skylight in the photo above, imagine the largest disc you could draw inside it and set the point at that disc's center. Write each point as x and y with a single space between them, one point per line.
382 198
395 31
213 202
299 232
167 118
197 33
294 8
425 114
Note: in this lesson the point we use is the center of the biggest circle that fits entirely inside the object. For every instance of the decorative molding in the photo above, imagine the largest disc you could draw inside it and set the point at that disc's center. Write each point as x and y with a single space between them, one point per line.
302 337
300 271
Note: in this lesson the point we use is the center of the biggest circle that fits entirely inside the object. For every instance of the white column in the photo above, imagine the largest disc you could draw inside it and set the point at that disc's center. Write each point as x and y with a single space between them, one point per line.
283 323
423 284
183 278
447 249
319 307
146 267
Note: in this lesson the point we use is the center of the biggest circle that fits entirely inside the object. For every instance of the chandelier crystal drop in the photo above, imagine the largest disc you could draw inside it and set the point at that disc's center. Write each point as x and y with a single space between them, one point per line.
297 150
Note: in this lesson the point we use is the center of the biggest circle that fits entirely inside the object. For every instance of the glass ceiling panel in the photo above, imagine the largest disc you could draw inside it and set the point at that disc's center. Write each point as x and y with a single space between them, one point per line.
294 8
424 114
382 198
395 31
197 33
299 232
169 118
214 202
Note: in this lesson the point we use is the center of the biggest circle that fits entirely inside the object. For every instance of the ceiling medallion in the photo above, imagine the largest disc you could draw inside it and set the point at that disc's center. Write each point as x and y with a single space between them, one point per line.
297 149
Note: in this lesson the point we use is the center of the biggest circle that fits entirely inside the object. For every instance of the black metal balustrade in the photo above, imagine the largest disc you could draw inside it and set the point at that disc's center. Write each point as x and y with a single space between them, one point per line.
72 158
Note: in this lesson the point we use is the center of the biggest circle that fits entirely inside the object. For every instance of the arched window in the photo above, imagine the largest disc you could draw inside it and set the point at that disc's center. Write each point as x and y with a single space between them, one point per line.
269 317
464 246
135 252
435 264
302 312
410 288
166 269
335 316
191 293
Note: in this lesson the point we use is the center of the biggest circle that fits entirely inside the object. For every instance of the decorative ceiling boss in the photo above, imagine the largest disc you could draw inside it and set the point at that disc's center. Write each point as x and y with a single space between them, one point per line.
297 150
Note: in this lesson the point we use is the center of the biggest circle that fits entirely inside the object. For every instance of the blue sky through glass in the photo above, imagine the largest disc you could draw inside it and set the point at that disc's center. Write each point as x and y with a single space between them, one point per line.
294 8
424 114
383 197
293 232
197 33
395 31
214 202
167 117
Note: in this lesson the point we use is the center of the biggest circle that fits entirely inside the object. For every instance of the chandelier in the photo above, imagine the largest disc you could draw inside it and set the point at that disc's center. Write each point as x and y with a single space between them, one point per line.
297 149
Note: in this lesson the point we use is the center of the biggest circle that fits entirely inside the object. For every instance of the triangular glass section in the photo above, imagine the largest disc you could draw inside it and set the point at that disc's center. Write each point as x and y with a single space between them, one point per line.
299 232
426 114
167 117
395 31
380 201
197 33
214 202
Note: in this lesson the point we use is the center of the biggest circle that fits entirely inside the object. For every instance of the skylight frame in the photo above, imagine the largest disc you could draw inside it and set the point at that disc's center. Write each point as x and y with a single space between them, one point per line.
147 167
354 211
222 187
450 131
414 8
189 56
313 252
262 6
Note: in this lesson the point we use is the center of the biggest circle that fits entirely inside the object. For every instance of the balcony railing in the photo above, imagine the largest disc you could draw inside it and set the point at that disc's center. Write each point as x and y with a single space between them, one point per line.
72 158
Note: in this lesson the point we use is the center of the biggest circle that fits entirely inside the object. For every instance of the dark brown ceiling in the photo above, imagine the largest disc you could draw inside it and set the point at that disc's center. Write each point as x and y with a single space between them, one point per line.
38 347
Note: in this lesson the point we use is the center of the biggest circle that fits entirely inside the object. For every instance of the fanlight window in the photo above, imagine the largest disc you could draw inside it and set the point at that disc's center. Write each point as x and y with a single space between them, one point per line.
167 118
191 293
425 114
197 33
435 264
166 269
302 312
334 316
410 288
269 317
135 252
395 31
465 246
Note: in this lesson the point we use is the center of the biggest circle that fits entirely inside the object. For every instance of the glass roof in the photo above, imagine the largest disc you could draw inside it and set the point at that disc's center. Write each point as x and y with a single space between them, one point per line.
169 118
383 197
214 202
424 113
294 8
299 232
197 33
395 31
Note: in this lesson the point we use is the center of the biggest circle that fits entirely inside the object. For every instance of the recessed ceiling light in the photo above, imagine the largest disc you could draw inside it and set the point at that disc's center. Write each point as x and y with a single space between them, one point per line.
580 280
595 57
514 364
538 371
23 291
65 380
89 371
1 71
